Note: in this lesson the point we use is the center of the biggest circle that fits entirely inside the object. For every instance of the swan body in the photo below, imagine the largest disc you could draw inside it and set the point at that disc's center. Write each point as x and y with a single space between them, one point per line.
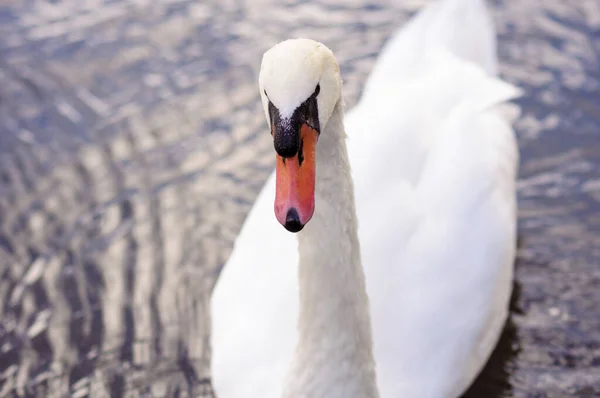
399 284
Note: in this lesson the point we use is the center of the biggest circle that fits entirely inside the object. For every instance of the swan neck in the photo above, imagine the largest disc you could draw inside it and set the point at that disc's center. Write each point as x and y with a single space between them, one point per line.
334 352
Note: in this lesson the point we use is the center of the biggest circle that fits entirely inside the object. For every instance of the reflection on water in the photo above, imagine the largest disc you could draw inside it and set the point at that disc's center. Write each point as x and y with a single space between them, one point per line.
132 144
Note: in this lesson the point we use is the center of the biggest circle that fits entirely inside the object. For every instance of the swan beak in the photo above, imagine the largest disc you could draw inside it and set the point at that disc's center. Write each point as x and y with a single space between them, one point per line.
295 183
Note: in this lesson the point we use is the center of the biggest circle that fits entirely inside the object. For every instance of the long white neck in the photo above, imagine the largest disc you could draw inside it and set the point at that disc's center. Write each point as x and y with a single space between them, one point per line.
334 353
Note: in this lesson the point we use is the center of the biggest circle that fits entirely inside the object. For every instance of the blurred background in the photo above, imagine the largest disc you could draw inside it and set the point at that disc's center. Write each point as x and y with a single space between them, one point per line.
133 143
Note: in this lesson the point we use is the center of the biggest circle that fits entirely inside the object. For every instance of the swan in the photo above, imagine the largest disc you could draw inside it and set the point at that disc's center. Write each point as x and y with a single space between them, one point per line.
397 280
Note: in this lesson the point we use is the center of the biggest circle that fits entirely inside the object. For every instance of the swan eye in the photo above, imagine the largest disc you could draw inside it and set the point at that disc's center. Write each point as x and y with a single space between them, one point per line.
317 90
273 115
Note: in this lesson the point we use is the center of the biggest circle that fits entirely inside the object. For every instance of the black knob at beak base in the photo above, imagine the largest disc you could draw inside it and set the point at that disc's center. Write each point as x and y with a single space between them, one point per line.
292 221
286 142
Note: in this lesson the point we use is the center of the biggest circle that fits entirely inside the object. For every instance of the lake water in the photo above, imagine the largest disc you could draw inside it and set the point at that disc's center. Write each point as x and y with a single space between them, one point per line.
132 145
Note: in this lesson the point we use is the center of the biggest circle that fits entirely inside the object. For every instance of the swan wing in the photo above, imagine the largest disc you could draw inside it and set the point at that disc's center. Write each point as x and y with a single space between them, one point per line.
434 164
437 225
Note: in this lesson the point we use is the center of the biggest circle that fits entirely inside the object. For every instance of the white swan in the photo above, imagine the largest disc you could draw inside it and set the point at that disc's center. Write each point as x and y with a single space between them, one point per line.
434 164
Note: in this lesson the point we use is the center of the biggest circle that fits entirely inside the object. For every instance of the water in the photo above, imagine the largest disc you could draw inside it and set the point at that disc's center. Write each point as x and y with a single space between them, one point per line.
132 144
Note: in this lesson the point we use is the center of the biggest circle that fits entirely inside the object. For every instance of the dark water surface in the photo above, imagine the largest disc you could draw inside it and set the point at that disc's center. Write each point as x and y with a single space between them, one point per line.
132 144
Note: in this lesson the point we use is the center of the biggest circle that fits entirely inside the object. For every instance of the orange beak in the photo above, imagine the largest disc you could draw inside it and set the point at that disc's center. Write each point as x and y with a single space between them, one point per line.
295 183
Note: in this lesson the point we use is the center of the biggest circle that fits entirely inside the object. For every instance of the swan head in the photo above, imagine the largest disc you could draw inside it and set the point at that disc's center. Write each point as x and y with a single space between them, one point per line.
300 85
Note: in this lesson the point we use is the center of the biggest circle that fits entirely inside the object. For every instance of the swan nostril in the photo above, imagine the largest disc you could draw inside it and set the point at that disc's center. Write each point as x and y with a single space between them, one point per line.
292 221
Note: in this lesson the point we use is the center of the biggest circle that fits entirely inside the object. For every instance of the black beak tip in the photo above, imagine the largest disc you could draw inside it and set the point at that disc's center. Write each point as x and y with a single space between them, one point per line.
292 221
